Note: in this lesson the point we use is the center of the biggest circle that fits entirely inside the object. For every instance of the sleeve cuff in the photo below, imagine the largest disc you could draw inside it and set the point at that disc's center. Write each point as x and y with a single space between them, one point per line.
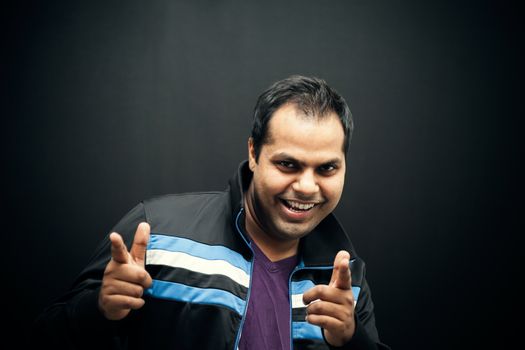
87 316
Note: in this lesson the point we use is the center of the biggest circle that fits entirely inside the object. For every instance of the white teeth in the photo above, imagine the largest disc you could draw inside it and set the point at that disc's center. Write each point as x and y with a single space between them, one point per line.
300 206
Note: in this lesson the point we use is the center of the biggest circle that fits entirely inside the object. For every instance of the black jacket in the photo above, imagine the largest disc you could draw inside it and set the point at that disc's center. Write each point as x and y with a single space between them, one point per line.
200 260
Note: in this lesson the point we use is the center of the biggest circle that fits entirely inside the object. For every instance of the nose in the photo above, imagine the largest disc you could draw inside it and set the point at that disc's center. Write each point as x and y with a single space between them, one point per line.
306 183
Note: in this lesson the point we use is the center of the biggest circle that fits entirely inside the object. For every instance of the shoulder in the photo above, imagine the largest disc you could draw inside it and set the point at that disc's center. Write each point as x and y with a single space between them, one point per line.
187 212
184 203
180 198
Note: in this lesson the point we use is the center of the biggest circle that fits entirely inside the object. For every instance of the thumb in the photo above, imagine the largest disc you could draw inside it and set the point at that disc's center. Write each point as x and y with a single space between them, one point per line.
341 275
119 252
140 242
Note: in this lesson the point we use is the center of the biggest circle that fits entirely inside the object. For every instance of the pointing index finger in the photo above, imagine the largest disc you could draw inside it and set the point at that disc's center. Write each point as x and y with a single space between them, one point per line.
344 280
119 252
140 242
341 273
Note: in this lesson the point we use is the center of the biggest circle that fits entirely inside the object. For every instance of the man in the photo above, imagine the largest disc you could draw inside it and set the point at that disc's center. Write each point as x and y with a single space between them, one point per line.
262 265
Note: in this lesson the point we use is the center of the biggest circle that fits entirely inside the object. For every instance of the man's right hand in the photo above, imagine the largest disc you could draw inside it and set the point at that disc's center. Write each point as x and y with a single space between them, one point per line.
125 276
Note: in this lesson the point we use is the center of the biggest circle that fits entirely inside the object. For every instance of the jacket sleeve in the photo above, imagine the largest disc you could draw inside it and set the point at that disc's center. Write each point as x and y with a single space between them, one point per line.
74 321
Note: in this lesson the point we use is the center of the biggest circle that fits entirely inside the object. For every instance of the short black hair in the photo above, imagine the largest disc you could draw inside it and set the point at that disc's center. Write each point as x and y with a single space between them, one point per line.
311 95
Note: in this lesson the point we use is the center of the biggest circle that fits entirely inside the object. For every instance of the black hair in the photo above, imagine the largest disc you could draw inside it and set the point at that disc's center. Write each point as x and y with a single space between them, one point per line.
311 95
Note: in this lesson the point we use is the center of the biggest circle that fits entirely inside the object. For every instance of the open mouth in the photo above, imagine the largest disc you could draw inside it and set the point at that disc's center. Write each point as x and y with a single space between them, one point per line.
298 206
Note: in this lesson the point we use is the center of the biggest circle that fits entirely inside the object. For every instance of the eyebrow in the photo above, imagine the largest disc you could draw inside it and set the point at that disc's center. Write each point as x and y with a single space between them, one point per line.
286 156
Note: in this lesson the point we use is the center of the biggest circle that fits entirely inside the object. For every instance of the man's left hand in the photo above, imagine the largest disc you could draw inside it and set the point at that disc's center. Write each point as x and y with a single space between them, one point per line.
331 307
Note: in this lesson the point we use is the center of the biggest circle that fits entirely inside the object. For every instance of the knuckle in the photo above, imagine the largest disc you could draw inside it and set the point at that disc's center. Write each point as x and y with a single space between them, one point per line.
110 267
104 300
317 307
347 313
105 290
349 299
137 292
310 309
127 302
322 291
139 304
142 274
323 322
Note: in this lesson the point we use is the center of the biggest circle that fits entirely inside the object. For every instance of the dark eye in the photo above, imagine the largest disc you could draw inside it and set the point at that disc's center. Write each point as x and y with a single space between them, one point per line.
287 165
327 168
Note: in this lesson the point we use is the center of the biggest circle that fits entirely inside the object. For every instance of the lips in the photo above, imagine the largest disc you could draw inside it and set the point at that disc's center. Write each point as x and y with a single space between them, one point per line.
298 206
297 209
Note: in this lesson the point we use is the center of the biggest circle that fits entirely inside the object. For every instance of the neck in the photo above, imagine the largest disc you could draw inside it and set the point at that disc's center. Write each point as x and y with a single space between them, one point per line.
274 248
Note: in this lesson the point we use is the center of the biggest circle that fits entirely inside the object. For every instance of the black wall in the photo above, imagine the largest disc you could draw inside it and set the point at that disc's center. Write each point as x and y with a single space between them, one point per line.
106 103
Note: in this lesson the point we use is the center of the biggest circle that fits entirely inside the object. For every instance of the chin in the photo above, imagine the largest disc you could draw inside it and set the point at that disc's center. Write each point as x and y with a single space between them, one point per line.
292 233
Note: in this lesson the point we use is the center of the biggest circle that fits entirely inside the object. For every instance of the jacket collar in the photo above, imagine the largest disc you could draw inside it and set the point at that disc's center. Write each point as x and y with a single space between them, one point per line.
239 184
318 248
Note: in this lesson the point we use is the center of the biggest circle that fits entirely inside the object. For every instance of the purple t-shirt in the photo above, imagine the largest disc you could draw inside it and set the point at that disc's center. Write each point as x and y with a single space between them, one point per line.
267 323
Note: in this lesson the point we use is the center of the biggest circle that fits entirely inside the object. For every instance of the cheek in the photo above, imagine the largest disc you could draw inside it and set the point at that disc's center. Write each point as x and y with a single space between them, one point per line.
276 182
271 183
333 188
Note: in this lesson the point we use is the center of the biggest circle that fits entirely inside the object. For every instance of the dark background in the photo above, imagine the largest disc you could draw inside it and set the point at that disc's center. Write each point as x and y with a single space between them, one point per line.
106 103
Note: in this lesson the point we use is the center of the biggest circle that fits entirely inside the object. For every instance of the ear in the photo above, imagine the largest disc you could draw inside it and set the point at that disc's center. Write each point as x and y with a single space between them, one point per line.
252 162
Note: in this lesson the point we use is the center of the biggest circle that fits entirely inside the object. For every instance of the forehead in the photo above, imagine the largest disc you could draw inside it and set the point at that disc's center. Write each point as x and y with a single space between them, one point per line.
304 136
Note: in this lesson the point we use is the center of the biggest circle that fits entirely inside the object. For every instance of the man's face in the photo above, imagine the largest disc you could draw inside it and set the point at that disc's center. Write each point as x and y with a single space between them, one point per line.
299 176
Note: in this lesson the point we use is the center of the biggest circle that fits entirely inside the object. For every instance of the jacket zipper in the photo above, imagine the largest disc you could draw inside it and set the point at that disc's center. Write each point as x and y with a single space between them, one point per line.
299 268
290 299
239 333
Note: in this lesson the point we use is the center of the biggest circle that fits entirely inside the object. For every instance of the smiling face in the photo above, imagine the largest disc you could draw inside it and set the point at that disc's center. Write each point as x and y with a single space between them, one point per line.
298 178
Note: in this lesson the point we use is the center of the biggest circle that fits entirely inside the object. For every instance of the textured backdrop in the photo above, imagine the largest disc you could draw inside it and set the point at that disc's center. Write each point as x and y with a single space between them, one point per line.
106 103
